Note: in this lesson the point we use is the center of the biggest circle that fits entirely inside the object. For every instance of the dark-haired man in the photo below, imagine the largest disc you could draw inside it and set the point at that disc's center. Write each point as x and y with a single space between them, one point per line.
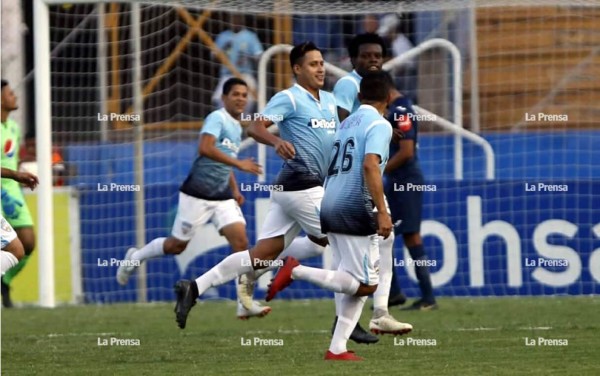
353 190
307 120
210 191
14 207
367 52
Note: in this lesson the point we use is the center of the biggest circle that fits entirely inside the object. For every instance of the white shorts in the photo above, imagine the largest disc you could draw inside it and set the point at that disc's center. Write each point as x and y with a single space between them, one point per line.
357 255
289 212
7 233
194 212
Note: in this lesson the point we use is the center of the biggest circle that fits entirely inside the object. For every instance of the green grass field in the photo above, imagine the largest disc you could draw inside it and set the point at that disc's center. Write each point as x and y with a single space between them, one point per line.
482 336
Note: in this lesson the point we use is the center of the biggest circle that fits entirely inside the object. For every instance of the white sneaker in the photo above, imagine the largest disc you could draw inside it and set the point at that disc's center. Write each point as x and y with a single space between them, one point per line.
387 324
125 268
257 310
245 291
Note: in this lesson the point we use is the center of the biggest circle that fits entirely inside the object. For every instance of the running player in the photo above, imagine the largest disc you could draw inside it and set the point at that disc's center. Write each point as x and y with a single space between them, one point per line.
307 121
367 52
353 189
14 207
210 192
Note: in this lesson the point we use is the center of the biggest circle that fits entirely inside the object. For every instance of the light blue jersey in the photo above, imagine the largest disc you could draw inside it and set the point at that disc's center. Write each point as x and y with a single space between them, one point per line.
240 48
308 124
346 92
347 206
209 179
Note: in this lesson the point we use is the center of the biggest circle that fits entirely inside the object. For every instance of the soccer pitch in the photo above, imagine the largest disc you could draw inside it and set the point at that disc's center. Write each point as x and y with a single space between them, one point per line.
466 336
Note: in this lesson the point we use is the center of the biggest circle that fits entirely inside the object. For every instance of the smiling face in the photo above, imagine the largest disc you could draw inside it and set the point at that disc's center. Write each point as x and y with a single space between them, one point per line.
369 58
310 71
235 101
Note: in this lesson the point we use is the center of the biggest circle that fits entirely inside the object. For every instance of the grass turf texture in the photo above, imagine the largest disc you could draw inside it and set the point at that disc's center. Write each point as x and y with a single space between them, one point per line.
473 337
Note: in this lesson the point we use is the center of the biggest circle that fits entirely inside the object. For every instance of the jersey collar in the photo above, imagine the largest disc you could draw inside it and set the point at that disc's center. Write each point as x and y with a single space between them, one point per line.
308 92
368 107
227 114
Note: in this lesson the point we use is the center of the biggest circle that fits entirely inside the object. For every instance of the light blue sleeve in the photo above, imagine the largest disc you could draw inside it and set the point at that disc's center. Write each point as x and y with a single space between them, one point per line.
378 135
345 92
280 106
213 125
223 38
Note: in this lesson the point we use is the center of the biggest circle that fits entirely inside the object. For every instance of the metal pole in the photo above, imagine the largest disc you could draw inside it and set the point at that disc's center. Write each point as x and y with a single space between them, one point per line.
140 216
102 70
43 123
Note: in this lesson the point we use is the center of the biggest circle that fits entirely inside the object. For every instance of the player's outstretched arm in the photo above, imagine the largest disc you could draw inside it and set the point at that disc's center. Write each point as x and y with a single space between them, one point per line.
26 178
374 184
208 149
403 155
258 131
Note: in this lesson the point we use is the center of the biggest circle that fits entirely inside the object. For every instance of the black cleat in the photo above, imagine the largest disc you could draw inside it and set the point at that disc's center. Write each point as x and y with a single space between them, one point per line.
359 335
421 305
6 302
397 299
185 301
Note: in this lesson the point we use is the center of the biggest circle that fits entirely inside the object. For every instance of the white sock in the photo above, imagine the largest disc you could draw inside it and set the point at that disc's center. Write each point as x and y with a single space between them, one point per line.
7 261
382 294
334 280
302 248
350 310
234 265
151 250
335 264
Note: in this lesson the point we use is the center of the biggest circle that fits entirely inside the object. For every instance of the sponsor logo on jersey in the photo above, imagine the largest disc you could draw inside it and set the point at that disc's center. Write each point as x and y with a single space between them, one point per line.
230 145
403 122
322 123
9 148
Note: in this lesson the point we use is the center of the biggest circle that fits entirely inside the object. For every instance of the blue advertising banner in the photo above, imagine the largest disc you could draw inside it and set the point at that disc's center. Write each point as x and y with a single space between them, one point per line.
483 239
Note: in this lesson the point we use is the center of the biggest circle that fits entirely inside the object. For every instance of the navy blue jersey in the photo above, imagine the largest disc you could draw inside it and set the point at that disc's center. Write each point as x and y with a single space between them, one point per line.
402 116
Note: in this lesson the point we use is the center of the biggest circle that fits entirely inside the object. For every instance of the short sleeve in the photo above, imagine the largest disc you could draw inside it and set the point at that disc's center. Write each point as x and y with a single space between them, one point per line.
281 106
403 117
378 136
213 124
346 92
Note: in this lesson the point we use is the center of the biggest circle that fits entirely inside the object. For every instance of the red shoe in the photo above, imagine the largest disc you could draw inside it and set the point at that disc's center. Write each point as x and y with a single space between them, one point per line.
348 355
283 278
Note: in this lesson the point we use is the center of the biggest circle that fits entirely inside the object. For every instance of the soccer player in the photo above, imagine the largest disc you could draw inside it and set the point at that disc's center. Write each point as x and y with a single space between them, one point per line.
406 205
12 248
210 192
307 121
14 207
367 52
353 189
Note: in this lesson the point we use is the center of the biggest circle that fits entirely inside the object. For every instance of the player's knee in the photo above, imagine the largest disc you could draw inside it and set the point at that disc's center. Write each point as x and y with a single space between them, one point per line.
175 246
16 249
323 242
364 290
239 244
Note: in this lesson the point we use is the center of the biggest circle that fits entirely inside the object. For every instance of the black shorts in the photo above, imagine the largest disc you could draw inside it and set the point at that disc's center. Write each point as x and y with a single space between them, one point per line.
405 205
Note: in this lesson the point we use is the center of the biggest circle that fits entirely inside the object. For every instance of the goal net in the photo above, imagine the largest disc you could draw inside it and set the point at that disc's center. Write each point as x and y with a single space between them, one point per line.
523 220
